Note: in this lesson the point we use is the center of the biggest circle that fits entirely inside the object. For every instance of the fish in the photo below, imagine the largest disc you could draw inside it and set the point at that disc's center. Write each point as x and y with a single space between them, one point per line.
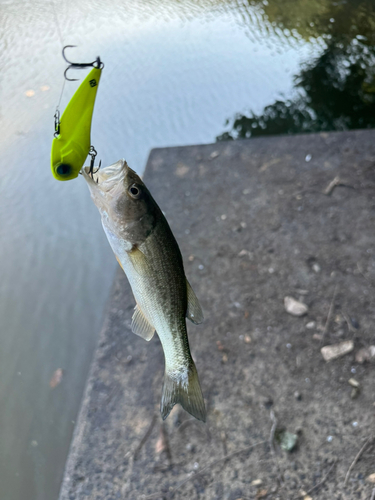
147 251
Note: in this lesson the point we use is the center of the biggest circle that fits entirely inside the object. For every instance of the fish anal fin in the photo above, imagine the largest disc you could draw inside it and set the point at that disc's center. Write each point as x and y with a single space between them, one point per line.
194 311
183 388
141 326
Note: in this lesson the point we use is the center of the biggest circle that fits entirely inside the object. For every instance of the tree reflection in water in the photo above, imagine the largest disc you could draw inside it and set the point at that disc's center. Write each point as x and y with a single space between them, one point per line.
337 90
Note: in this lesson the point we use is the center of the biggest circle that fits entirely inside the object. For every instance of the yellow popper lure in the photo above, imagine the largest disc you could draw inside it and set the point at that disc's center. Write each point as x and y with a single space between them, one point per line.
72 142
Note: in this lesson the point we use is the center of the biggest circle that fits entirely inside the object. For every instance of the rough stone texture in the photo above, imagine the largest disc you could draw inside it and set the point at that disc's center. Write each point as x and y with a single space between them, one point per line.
253 226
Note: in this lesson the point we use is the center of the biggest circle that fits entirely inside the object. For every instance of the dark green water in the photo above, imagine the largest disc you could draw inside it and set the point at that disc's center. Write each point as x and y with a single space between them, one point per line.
336 89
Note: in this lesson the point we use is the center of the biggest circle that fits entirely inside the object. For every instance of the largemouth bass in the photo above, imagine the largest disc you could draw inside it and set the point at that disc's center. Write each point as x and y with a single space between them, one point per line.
147 251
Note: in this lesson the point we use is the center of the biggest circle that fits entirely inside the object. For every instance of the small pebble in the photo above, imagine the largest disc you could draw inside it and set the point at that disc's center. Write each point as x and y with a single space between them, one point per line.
247 339
365 354
355 424
256 482
354 393
310 325
308 157
353 382
316 268
330 352
329 439
288 440
298 396
371 478
294 307
219 345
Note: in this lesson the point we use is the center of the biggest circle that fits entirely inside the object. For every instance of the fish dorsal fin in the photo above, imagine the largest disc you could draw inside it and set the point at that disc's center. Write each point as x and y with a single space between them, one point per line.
194 311
141 326
139 261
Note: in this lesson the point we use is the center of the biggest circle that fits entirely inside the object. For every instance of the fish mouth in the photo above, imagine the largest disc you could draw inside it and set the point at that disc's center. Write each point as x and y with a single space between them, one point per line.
105 178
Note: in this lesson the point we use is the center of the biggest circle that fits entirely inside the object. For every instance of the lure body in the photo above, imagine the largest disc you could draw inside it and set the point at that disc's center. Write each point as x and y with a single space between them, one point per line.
72 144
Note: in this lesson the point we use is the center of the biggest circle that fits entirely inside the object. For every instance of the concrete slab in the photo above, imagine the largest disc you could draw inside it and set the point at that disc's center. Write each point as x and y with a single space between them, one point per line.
254 225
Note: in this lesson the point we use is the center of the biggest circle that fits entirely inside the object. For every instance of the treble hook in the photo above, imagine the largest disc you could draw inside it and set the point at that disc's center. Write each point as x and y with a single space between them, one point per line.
93 154
95 64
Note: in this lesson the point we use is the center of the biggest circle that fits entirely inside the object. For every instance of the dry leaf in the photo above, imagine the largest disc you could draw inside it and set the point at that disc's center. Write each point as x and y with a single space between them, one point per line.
56 378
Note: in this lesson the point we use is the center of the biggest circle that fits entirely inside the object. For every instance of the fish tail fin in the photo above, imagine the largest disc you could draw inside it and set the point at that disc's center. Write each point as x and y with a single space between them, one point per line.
183 388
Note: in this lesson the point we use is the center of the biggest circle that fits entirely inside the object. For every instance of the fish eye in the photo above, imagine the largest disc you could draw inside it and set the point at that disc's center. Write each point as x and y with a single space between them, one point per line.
63 169
134 191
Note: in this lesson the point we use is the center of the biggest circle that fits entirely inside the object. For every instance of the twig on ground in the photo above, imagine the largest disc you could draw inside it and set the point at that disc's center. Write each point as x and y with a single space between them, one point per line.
187 423
361 272
272 447
145 437
205 469
166 446
348 322
356 458
328 316
272 433
331 186
373 495
223 438
321 482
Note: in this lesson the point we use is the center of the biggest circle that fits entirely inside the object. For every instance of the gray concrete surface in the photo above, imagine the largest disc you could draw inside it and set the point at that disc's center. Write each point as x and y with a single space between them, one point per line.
254 226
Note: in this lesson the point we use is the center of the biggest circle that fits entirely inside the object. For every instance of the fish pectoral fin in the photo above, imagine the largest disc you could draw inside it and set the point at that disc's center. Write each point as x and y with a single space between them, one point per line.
141 326
194 311
139 261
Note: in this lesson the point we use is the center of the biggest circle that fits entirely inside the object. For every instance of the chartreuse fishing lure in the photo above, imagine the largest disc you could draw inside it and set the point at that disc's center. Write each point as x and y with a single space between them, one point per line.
72 142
